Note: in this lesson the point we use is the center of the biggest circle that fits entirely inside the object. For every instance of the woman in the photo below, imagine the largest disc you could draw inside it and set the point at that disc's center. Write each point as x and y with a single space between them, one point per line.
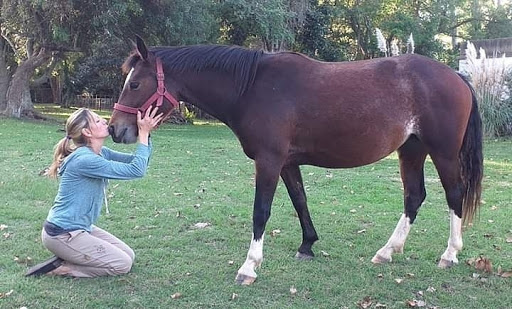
84 166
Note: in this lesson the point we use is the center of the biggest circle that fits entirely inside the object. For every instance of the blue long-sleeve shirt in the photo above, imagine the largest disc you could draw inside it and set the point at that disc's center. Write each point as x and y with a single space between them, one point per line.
83 178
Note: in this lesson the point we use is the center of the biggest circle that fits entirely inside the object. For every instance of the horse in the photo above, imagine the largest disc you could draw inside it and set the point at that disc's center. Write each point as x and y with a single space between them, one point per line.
288 110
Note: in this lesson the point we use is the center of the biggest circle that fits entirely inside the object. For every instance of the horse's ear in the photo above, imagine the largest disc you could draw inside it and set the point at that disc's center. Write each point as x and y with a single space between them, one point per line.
142 50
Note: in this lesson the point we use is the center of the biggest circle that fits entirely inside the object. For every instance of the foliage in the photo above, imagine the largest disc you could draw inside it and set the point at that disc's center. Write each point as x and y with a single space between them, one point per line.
188 114
99 73
499 23
319 37
489 78
267 20
200 174
91 38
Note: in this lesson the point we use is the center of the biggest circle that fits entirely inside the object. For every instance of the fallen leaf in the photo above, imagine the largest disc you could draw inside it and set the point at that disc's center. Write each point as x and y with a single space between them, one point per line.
293 291
201 225
411 303
431 289
506 274
365 303
176 295
324 253
483 264
470 261
275 232
27 260
361 231
6 294
399 280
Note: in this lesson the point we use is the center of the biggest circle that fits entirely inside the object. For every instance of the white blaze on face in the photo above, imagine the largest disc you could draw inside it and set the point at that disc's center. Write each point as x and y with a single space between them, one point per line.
127 78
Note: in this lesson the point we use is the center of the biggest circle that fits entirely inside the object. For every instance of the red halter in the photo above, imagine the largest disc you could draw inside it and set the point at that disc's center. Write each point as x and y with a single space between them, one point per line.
157 97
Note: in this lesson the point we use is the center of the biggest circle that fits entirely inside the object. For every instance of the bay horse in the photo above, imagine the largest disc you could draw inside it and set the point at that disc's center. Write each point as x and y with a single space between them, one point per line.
289 110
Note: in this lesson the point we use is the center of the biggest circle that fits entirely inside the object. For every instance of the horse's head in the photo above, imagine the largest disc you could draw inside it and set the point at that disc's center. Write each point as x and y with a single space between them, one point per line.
144 87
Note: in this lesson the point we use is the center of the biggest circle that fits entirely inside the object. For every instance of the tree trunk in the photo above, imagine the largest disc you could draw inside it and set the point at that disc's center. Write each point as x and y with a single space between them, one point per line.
19 102
4 76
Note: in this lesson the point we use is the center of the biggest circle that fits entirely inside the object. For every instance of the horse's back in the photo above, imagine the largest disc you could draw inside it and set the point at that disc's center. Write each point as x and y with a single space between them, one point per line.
354 113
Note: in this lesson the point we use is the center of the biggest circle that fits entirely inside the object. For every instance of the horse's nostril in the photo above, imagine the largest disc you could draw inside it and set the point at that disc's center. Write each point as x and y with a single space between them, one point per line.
111 130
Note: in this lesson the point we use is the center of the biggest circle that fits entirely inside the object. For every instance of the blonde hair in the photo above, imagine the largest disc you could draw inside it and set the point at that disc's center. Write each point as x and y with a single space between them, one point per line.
77 121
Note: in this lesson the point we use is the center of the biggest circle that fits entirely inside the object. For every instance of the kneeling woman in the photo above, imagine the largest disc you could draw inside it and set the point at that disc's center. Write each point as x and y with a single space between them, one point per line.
84 166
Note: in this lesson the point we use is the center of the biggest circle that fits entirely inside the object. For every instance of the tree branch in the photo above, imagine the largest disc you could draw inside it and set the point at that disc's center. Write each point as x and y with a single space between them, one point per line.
11 44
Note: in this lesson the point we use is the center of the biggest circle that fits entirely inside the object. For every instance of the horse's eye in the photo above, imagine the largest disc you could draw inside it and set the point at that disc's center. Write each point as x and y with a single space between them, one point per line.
134 85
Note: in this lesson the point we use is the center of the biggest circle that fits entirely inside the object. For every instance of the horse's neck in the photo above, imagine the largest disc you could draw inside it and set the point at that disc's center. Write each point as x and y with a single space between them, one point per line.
212 96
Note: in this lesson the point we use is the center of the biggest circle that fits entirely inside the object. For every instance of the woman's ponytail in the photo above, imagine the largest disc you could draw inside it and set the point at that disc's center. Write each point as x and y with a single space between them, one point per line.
74 139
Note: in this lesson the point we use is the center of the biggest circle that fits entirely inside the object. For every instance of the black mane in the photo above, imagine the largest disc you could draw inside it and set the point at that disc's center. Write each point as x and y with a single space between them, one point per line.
237 61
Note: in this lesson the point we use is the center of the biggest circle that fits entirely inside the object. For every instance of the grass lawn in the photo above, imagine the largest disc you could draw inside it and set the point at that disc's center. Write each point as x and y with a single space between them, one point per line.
200 174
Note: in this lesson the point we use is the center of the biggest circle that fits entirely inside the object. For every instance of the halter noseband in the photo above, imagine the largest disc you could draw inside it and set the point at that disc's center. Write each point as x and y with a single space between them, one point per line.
157 97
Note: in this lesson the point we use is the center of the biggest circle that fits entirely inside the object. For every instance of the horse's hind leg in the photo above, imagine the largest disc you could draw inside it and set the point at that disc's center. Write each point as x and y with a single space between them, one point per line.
448 169
412 156
293 181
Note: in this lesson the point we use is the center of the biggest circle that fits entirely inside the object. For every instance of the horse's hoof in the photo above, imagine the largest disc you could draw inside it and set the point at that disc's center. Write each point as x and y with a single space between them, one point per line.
445 264
303 256
379 259
244 279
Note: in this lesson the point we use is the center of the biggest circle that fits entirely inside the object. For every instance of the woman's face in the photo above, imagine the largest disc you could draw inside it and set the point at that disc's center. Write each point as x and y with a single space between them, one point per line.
98 127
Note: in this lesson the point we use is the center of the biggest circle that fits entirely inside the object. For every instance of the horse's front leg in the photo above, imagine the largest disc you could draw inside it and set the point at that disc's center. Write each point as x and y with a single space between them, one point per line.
267 176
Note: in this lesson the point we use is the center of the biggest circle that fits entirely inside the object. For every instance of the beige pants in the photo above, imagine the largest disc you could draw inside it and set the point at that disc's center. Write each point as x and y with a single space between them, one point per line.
94 254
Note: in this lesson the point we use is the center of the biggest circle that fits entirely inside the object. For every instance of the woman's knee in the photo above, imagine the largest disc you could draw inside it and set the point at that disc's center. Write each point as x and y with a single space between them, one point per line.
131 254
123 266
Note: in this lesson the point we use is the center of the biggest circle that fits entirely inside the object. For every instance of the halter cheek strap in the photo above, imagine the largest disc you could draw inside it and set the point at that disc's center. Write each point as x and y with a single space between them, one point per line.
157 97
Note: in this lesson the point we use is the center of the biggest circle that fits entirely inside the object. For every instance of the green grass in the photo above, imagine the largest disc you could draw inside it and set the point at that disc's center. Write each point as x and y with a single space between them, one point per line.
200 174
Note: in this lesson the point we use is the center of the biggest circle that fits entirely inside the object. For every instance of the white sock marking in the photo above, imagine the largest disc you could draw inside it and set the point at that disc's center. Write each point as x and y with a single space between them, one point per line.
396 241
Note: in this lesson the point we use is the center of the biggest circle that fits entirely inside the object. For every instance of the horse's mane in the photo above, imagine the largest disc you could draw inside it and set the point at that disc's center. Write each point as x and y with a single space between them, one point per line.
240 62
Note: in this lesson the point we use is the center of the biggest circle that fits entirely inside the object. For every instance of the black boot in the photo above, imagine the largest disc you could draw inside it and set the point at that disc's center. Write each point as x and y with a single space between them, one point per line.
44 267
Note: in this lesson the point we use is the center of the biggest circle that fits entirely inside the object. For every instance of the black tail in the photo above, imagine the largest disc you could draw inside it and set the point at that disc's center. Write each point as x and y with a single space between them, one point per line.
471 161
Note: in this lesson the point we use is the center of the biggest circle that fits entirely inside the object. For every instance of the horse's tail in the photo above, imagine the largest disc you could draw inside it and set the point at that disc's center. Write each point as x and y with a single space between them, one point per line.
471 161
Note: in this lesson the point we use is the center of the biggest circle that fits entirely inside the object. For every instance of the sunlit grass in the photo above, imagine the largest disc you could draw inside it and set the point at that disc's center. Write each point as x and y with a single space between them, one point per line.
200 174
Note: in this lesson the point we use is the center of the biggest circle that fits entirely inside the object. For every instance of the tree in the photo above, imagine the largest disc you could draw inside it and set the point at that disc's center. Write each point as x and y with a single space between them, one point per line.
271 22
36 31
318 38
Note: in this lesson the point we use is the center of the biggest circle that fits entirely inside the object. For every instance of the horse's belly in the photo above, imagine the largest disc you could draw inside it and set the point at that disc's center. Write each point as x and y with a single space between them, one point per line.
346 153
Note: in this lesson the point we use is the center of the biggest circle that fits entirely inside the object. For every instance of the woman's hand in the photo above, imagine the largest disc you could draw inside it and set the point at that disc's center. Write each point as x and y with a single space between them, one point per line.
148 123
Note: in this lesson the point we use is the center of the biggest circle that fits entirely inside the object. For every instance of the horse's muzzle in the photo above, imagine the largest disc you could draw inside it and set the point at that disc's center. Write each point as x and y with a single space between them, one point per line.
117 138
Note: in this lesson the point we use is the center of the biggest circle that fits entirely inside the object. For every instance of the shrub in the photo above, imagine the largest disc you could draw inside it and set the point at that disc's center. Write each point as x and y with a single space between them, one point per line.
491 79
